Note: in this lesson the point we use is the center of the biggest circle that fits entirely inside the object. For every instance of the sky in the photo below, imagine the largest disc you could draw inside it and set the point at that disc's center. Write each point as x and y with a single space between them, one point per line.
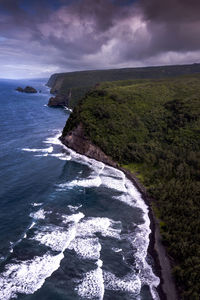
42 37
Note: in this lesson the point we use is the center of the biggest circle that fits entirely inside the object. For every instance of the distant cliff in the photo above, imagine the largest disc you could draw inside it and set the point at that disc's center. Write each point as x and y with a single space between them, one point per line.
55 82
74 85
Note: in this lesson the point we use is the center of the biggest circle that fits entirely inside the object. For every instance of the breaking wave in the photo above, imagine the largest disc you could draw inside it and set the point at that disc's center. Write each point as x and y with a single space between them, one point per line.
85 235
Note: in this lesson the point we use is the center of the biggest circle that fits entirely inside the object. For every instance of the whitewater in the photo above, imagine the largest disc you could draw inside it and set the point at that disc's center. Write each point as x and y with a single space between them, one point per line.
81 227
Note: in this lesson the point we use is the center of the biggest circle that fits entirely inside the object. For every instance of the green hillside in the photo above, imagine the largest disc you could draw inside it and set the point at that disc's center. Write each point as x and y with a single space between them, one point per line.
76 84
152 127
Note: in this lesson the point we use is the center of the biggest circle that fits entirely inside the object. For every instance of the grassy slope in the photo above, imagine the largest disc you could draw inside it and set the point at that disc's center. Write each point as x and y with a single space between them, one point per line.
153 129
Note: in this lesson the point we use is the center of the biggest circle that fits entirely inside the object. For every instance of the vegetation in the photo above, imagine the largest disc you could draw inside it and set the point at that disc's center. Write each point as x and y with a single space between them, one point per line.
152 127
78 83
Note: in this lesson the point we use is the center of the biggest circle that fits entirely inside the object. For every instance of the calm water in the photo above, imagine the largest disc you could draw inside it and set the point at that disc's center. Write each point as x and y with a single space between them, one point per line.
70 227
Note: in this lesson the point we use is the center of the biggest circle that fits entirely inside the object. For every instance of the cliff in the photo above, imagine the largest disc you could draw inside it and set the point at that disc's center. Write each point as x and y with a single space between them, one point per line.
55 82
79 83
151 129
79 142
58 101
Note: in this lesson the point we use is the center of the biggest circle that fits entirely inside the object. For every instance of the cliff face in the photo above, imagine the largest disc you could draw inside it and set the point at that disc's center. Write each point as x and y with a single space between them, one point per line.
51 80
79 83
57 101
77 141
55 83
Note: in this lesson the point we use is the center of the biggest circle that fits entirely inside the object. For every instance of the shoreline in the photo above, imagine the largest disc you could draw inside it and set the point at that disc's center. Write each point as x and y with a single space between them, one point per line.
166 289
77 141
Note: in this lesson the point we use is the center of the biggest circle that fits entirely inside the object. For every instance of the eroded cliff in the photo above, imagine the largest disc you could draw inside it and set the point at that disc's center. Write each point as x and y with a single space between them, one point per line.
78 141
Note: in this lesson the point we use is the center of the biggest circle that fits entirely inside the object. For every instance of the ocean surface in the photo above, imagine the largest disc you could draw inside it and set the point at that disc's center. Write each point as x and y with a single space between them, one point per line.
70 227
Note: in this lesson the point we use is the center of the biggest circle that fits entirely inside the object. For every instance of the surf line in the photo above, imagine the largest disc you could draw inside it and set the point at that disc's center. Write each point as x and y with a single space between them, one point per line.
135 194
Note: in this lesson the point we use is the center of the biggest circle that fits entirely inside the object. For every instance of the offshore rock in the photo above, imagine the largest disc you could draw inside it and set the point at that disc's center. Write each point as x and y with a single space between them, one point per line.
27 89
20 89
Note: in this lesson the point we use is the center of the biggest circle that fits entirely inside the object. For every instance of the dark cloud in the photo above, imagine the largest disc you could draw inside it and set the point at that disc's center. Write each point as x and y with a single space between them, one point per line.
45 36
174 25
171 10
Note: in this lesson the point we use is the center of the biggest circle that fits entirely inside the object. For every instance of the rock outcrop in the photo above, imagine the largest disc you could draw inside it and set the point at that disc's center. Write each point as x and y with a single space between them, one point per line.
27 89
77 141
20 89
58 101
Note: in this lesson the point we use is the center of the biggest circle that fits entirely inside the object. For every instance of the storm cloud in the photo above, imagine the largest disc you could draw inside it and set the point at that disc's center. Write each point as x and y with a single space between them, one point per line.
38 38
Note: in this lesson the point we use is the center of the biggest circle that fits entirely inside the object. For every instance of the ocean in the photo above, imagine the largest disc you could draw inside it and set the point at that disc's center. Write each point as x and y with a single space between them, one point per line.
70 227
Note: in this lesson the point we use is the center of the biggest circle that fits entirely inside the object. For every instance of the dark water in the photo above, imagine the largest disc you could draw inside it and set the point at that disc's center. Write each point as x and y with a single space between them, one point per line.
70 227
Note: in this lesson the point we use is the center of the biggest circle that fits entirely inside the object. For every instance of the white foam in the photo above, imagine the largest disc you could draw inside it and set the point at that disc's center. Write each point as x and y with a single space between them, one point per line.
57 154
61 156
86 243
114 183
84 160
48 150
90 226
101 175
73 218
74 208
87 248
59 238
140 238
54 140
68 109
81 236
32 224
92 285
115 179
40 214
93 182
129 283
99 263
36 204
28 276
65 157
55 237
116 249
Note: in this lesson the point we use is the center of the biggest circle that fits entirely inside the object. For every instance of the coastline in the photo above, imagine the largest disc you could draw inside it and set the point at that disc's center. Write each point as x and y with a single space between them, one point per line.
77 141
166 289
